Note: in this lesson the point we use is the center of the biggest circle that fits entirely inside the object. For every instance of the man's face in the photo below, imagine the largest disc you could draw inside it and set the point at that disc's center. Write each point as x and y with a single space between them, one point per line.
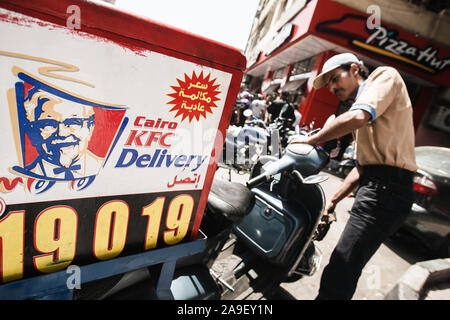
64 129
343 83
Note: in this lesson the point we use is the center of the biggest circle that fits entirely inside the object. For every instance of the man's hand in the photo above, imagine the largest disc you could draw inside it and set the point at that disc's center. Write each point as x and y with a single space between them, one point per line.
329 215
302 139
330 207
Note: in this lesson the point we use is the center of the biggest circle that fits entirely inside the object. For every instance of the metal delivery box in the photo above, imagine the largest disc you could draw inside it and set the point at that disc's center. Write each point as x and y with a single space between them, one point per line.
112 125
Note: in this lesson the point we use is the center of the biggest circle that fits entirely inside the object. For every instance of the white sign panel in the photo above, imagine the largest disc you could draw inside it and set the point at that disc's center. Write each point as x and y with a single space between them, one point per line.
82 116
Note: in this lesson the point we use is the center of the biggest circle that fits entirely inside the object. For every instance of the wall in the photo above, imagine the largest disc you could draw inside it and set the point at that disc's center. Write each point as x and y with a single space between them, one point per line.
278 19
410 17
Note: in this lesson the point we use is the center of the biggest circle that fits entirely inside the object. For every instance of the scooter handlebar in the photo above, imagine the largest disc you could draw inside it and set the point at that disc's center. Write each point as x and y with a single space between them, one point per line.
258 180
271 169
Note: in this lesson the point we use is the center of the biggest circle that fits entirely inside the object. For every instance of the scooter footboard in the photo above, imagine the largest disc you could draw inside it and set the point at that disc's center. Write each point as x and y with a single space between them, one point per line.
273 228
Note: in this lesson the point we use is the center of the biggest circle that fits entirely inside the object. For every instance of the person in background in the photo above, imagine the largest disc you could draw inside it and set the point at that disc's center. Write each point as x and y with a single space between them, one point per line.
298 118
275 107
259 107
237 117
381 118
288 109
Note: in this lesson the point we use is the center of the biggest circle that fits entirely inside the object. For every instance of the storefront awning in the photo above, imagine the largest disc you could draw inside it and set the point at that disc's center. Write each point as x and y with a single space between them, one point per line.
271 88
305 48
293 85
295 82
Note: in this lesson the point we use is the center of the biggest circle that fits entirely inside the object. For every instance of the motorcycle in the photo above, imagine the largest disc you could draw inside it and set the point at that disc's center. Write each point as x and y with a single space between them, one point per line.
244 145
286 130
258 235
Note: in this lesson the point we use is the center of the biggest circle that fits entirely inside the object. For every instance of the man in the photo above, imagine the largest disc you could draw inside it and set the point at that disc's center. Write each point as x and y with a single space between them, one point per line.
381 117
298 117
288 111
275 107
237 117
60 131
259 107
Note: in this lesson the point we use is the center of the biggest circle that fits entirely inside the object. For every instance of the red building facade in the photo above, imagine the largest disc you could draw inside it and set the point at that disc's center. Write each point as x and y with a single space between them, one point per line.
324 28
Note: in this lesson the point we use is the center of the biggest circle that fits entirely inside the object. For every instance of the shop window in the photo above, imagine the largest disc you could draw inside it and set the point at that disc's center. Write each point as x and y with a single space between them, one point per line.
279 73
303 66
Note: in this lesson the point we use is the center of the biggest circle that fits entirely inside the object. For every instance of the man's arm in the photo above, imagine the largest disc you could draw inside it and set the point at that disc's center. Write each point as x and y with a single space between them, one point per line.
348 185
347 122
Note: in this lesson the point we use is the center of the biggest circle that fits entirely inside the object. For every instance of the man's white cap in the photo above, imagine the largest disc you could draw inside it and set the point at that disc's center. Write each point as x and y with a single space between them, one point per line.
332 64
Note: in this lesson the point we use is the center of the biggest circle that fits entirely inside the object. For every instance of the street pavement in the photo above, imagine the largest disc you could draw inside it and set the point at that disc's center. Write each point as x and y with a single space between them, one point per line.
380 274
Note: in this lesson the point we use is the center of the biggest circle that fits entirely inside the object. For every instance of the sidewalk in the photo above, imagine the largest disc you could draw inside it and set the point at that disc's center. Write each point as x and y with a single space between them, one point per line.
426 280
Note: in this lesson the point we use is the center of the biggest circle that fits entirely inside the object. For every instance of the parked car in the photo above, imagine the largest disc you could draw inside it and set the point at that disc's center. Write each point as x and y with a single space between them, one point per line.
429 220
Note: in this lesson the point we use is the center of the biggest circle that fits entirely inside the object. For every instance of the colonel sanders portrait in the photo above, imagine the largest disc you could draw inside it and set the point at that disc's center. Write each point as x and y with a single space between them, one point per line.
60 130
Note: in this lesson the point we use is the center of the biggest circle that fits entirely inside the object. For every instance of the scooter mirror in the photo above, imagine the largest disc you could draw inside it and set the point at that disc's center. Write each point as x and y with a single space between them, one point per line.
315 179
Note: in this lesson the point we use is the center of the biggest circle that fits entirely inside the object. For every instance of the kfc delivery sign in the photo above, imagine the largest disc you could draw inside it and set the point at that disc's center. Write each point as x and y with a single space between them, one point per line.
64 141
97 140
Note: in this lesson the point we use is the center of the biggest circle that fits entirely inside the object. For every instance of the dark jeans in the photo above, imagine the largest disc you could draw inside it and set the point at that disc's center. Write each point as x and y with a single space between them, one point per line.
382 203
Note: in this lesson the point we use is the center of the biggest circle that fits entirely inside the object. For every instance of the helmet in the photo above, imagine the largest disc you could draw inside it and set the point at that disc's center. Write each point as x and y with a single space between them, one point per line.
245 95
243 103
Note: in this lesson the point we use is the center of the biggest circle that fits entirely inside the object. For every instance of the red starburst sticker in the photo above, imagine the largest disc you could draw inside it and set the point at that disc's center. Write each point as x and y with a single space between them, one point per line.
194 97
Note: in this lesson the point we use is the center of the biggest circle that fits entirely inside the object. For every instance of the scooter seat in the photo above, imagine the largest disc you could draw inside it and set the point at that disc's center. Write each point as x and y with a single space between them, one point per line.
230 199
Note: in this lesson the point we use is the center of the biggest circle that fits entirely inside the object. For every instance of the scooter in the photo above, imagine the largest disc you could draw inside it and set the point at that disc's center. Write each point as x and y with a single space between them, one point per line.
244 145
258 235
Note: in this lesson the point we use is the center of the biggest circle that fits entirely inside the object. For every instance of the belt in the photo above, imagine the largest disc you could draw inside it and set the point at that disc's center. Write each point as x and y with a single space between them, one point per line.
388 173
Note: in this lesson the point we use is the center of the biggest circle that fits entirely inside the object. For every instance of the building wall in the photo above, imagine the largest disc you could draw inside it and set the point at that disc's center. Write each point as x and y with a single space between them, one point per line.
319 104
273 14
270 17
411 17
